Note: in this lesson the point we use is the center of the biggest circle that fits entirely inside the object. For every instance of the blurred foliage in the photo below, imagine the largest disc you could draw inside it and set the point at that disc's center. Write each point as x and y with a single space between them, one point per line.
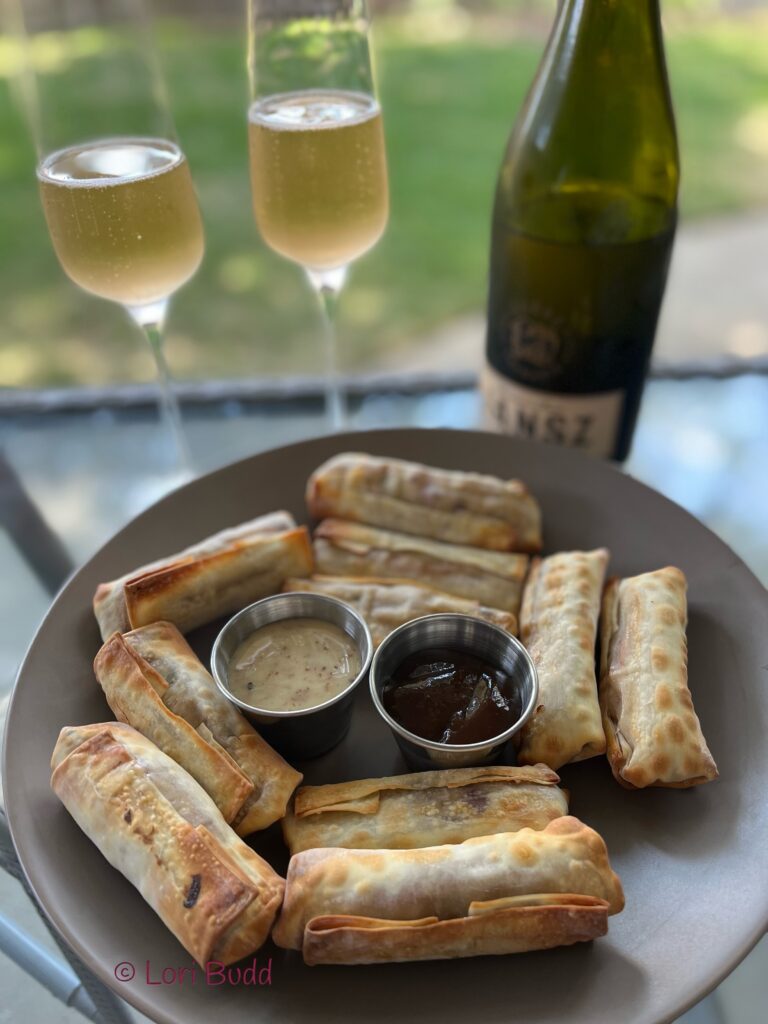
449 99
533 8
318 52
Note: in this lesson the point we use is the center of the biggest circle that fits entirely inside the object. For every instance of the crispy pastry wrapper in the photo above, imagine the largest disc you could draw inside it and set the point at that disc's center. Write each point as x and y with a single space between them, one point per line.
558 625
516 925
492 578
387 604
654 736
218 576
157 826
442 883
153 680
460 508
424 808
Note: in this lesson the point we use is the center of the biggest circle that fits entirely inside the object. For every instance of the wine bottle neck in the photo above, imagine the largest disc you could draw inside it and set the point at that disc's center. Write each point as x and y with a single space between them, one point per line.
610 28
627 10
596 131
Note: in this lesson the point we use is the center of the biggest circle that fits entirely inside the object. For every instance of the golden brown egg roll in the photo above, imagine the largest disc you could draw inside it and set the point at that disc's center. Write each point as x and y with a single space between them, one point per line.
558 625
216 577
654 736
387 604
153 823
336 899
492 578
424 808
461 508
520 924
153 680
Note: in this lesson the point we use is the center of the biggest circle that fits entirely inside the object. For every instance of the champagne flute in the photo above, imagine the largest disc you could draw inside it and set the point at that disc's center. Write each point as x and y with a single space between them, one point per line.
115 186
318 163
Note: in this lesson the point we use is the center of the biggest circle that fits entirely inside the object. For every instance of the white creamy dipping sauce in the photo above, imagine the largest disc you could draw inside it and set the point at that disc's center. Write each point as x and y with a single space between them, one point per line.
293 664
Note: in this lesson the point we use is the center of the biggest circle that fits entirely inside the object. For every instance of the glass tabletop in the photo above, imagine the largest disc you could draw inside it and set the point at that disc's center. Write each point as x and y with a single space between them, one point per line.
701 441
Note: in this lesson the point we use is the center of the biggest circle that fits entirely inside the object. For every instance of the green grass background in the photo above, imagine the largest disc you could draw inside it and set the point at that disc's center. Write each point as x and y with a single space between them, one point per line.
449 105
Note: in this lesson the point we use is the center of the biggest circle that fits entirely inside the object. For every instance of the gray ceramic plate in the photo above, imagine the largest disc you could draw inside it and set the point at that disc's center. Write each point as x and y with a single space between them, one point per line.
694 863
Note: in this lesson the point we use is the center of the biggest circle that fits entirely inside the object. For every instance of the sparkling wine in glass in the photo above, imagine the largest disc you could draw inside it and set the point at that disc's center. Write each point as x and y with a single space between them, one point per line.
115 186
317 155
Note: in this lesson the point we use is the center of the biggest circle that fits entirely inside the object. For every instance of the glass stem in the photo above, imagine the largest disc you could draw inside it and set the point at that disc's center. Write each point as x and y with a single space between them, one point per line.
327 285
150 319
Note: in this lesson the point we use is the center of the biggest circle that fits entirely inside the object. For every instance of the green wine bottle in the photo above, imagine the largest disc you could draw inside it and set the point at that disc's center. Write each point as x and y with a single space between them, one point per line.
583 225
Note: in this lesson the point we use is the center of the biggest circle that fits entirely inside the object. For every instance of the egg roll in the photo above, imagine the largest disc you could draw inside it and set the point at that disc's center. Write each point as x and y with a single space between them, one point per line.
558 625
423 809
387 604
492 578
519 924
493 894
153 680
216 577
461 508
653 734
157 826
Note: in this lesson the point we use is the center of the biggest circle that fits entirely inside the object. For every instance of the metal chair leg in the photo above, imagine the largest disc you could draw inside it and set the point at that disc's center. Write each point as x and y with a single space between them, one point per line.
40 546
49 971
78 987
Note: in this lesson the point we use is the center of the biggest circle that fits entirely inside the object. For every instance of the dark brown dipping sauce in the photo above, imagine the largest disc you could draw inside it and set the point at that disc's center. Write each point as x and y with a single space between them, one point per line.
451 697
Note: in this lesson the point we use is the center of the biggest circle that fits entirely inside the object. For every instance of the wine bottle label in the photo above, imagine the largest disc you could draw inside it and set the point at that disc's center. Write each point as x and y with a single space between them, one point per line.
589 422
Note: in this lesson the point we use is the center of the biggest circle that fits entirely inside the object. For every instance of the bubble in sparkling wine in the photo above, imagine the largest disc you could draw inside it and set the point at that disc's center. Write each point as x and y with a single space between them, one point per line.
319 177
123 217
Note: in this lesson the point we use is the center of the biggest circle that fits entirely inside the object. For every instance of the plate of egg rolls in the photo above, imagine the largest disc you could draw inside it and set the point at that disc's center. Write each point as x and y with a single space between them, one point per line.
611 863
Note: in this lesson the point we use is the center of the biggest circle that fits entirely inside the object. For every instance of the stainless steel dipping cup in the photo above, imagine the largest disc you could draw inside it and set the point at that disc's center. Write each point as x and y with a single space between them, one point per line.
461 633
307 732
